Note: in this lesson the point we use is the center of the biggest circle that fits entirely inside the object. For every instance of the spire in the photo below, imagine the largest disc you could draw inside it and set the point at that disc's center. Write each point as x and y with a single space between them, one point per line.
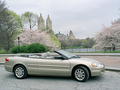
41 18
48 18
41 23
70 33
71 36
48 23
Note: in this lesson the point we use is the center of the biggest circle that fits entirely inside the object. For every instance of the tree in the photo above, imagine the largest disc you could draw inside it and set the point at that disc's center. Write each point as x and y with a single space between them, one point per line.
7 27
64 43
30 18
17 20
55 40
36 36
71 43
108 37
84 43
90 42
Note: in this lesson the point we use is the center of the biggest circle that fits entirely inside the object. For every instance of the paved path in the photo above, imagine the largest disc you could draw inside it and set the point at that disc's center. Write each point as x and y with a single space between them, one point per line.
2 59
107 81
109 61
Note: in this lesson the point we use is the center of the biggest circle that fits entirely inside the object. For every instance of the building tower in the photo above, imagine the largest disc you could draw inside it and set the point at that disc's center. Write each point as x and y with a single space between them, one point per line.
71 36
48 24
41 23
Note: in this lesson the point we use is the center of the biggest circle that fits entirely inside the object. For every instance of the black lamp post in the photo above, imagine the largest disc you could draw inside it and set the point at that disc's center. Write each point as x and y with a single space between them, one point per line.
18 44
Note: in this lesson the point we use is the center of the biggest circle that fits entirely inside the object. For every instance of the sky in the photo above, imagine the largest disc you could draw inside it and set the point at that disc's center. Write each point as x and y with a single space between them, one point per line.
84 17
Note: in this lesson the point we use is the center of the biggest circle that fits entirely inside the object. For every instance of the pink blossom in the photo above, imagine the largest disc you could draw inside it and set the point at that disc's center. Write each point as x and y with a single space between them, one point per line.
108 36
35 36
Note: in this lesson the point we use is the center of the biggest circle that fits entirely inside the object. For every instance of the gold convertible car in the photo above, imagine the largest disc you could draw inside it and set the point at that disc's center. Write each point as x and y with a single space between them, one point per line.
62 64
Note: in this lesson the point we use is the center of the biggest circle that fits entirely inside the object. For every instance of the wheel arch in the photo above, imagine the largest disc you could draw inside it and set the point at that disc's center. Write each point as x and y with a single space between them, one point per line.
17 65
78 66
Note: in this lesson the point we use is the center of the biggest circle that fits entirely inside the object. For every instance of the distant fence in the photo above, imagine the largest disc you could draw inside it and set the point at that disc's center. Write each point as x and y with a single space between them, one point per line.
82 50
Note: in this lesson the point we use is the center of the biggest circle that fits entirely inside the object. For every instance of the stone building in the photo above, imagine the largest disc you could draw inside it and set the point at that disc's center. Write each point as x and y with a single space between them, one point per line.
65 37
48 29
60 36
71 36
41 24
48 23
115 22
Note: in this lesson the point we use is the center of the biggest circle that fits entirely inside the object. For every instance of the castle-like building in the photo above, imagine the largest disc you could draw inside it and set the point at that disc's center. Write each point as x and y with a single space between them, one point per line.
65 37
115 22
42 27
48 28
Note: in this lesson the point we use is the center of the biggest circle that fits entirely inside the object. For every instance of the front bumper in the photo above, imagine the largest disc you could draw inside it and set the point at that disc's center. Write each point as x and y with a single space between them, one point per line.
97 71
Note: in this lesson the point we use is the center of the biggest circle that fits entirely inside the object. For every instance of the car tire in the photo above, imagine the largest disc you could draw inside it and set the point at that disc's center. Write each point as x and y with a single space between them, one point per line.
81 73
20 72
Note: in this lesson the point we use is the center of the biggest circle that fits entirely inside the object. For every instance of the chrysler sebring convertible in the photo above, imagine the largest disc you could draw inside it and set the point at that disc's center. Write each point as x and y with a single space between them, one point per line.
61 64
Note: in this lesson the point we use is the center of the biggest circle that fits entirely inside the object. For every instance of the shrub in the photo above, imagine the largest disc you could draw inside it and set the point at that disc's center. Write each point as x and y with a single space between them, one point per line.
14 49
23 49
32 48
36 48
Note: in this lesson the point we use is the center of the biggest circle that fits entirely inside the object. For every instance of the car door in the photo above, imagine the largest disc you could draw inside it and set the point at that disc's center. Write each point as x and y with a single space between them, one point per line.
54 67
32 65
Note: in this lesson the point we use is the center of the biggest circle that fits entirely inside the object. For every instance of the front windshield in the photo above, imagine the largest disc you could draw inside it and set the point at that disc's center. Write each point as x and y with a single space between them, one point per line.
67 54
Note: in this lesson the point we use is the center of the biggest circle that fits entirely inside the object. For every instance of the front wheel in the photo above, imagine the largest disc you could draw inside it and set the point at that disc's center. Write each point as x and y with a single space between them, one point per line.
81 73
20 72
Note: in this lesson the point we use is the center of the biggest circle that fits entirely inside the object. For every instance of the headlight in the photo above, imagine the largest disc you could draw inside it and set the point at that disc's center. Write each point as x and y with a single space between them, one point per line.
97 65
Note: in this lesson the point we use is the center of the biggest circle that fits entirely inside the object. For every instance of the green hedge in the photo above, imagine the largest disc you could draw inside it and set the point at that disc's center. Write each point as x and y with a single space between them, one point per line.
32 48
36 48
14 49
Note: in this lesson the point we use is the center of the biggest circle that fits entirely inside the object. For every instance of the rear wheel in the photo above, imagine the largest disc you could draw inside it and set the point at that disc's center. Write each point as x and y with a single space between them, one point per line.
20 72
81 73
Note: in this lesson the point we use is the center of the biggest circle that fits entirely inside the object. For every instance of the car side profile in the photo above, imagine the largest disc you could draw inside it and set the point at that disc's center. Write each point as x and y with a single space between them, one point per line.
64 64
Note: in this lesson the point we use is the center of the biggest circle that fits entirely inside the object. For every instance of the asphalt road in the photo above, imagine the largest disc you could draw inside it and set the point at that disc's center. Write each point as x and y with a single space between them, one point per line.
108 81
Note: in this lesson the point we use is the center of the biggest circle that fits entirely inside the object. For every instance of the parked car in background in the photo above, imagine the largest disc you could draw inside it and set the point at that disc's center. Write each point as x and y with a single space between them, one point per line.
64 64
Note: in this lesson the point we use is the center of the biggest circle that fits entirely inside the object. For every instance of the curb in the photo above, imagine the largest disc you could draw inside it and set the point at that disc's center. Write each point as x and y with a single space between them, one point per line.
112 69
1 63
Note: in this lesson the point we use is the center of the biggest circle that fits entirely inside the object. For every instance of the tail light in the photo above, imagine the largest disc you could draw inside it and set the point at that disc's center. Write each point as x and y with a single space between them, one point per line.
6 60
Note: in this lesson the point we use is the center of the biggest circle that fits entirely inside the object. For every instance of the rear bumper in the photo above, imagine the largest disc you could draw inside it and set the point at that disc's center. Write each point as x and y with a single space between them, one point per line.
8 68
